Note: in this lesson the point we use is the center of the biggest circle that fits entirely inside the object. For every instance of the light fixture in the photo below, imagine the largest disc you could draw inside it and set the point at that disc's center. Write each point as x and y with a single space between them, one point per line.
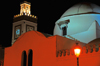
77 52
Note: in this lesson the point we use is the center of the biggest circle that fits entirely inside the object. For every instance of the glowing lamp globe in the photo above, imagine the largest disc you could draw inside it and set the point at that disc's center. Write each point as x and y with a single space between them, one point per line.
77 52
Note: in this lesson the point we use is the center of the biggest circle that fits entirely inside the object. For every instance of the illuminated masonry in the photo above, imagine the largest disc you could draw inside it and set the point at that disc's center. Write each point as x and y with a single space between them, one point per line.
24 21
25 10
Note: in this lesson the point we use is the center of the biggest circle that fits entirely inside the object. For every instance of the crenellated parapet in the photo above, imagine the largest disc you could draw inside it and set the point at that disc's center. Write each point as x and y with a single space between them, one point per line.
85 50
25 9
25 15
63 53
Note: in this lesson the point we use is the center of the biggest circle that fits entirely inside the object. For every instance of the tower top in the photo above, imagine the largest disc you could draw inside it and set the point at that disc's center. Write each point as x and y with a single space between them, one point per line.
25 9
26 2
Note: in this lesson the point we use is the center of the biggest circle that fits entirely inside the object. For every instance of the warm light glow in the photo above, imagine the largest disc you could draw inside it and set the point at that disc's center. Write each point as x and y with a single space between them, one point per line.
18 14
30 15
33 16
24 11
29 12
25 8
77 52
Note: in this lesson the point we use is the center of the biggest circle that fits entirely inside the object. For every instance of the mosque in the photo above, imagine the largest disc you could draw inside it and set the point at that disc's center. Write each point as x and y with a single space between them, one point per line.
79 25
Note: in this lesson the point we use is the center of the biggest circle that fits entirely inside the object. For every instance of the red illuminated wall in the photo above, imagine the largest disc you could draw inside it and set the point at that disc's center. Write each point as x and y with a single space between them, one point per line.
85 59
44 52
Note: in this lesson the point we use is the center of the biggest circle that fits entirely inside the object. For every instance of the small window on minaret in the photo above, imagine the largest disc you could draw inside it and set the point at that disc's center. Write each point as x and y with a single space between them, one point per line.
64 31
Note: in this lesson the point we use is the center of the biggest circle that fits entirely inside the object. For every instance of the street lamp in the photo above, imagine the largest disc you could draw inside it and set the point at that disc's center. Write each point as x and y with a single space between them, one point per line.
77 51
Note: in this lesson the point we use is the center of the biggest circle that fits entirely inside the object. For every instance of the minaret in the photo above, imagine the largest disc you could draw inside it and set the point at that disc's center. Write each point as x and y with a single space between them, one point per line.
24 21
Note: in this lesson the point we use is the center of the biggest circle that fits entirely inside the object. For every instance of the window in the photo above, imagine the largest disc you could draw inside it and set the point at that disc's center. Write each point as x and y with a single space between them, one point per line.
29 28
17 31
30 57
64 30
24 58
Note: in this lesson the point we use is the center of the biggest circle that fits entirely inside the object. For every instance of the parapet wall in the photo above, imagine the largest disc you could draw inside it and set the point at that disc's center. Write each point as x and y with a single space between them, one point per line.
85 50
26 15
88 57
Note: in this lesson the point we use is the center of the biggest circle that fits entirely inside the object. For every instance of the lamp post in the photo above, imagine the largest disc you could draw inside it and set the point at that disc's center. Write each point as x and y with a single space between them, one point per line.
77 51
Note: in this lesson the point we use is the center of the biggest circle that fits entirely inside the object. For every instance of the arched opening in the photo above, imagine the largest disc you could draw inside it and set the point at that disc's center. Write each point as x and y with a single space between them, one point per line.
64 31
30 56
24 58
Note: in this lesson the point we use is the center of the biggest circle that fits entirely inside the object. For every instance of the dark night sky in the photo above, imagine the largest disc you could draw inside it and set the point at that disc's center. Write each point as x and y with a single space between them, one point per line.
47 11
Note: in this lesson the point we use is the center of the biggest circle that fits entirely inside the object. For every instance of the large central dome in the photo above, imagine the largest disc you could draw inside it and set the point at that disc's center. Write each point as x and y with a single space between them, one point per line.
82 8
81 22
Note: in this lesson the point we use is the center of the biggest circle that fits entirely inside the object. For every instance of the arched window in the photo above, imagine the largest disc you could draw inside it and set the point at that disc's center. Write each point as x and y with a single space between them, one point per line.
30 56
24 58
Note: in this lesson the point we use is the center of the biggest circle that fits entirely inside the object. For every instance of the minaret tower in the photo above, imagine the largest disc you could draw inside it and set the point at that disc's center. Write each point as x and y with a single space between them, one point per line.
24 21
